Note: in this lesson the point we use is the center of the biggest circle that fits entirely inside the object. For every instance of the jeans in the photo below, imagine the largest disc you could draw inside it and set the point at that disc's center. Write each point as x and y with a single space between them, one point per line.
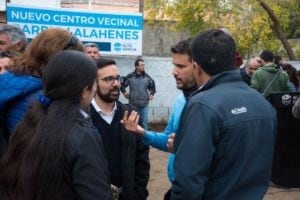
143 113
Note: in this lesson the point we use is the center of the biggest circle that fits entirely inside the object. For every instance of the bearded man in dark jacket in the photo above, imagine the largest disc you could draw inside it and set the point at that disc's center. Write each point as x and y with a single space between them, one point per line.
128 157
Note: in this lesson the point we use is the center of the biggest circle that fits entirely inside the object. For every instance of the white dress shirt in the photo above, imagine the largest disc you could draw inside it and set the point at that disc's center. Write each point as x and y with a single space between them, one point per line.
107 117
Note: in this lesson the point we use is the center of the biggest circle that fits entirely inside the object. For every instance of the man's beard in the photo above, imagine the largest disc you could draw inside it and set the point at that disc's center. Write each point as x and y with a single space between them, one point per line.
108 98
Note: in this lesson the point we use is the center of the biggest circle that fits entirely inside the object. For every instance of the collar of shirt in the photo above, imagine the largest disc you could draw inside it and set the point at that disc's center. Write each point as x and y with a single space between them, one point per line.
84 114
107 117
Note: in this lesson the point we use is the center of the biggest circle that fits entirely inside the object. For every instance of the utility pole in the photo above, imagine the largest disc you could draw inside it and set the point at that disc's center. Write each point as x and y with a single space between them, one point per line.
141 6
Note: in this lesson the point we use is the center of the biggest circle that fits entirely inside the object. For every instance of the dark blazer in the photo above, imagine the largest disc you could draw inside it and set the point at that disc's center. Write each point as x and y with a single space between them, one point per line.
86 174
135 160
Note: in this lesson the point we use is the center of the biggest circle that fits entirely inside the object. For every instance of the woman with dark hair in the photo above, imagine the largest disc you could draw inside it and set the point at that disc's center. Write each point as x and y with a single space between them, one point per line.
292 74
22 83
55 152
278 60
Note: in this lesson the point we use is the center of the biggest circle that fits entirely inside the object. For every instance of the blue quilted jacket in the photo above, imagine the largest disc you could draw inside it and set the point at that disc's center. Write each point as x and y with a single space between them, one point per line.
16 93
159 140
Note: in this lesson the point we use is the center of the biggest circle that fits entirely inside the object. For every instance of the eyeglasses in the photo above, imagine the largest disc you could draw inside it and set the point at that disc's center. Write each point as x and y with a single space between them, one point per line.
110 79
72 42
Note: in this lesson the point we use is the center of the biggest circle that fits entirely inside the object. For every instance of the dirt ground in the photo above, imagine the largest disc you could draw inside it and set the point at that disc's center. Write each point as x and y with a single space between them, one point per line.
159 182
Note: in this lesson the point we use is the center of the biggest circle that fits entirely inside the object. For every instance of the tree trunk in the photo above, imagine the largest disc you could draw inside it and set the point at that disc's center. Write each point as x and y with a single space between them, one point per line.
278 30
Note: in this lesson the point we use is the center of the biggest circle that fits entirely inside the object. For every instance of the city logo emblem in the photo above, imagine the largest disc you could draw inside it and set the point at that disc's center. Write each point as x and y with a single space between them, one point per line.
240 110
286 99
117 46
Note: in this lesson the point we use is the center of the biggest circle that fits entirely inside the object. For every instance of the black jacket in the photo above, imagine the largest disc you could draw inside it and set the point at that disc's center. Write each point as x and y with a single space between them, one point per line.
86 174
135 159
224 143
245 76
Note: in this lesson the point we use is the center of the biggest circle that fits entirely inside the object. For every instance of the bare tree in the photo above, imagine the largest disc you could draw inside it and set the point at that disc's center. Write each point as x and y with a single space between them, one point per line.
278 30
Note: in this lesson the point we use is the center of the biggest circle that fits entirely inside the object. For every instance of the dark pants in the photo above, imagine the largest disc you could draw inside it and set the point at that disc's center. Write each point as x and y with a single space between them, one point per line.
167 195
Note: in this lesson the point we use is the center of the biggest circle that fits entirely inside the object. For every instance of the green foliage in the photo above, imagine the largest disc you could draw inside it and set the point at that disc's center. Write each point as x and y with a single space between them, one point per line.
245 19
294 27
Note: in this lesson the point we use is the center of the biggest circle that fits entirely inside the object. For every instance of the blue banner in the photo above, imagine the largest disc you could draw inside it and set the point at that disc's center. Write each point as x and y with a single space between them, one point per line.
121 30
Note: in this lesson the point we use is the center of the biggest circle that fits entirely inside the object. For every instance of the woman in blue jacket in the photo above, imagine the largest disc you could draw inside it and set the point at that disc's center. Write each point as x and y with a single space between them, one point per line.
22 83
55 151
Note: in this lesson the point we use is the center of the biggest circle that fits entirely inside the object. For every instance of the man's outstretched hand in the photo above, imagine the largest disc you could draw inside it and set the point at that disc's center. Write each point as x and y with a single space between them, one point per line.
131 121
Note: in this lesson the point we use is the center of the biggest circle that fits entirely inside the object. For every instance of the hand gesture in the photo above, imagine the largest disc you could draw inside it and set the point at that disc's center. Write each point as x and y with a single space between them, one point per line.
131 123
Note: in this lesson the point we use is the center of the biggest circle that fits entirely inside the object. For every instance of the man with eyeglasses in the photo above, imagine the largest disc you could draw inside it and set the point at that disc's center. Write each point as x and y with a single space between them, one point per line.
128 157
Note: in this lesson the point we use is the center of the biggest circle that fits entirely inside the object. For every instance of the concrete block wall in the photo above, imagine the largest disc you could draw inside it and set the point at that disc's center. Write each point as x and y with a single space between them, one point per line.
157 40
160 69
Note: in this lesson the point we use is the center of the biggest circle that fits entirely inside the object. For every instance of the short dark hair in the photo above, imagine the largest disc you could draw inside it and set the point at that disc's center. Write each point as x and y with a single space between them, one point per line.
267 56
183 47
136 63
277 59
90 44
103 62
214 50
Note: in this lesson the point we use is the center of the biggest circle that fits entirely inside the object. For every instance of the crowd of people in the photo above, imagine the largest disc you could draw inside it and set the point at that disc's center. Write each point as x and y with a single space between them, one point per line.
64 134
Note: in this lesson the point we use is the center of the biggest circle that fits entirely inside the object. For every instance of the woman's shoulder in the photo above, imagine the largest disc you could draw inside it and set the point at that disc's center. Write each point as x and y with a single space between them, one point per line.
83 133
20 77
14 86
19 83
